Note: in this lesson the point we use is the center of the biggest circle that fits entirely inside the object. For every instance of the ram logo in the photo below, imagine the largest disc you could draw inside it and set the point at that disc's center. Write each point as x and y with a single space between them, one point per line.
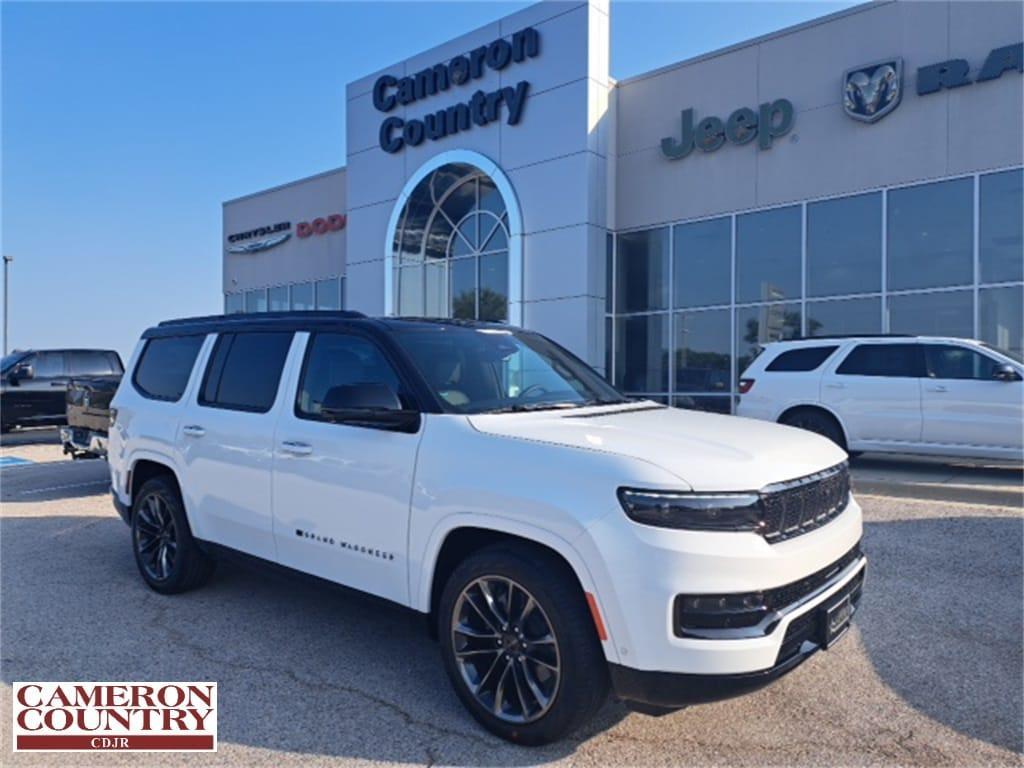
872 91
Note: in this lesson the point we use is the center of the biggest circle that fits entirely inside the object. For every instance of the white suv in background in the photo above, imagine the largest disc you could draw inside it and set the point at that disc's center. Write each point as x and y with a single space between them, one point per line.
562 540
927 395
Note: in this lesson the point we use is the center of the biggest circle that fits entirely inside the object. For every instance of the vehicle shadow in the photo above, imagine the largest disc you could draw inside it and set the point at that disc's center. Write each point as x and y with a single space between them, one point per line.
1006 471
943 620
306 668
31 436
301 667
54 481
972 481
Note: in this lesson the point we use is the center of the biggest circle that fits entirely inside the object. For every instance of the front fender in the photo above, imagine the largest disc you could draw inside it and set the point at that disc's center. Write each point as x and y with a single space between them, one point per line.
423 564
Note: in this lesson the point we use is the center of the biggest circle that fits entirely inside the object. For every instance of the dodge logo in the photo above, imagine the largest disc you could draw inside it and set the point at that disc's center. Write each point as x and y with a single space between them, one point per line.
872 91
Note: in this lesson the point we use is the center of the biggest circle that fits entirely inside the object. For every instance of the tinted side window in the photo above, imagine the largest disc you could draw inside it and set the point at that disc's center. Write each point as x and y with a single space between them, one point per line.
245 370
163 370
48 364
88 363
950 362
804 359
883 360
334 360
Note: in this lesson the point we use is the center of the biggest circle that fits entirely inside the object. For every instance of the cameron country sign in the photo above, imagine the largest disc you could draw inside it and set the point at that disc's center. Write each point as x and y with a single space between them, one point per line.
114 717
481 108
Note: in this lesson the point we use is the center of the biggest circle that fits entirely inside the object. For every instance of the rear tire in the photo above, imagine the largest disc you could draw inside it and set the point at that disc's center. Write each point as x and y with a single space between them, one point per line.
817 421
167 556
530 669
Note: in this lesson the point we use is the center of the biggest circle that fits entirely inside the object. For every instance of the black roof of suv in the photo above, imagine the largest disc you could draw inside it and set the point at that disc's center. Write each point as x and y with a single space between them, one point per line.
302 320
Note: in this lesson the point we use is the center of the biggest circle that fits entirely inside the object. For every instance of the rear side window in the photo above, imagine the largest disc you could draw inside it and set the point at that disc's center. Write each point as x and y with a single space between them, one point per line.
89 363
893 360
163 370
245 370
803 359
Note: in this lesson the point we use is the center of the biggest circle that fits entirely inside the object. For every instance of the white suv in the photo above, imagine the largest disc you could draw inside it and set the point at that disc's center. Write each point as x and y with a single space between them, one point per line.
562 539
928 395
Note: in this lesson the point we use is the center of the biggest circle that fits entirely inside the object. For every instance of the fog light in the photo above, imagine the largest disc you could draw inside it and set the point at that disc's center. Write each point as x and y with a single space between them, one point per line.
697 612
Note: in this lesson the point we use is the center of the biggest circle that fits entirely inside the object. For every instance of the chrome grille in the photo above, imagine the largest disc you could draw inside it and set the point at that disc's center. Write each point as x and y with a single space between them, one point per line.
798 506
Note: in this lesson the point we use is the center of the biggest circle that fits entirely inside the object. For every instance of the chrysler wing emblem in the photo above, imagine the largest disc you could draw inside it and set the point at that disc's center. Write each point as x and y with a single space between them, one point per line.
872 91
259 245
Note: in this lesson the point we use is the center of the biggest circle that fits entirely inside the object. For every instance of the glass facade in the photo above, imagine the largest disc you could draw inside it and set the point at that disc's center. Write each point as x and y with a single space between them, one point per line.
690 303
323 295
451 248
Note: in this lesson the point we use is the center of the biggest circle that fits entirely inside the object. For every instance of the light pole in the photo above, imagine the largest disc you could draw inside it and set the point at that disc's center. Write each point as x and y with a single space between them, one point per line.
7 263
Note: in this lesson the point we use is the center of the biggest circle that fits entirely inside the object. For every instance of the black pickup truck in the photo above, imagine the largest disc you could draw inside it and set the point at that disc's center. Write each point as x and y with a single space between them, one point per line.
34 383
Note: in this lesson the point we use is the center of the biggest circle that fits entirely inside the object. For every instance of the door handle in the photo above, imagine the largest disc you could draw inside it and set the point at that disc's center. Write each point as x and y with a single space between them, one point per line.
193 430
937 388
58 383
296 448
835 385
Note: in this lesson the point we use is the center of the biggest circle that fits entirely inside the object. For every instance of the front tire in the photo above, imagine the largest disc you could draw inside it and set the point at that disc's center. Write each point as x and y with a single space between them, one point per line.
519 644
167 556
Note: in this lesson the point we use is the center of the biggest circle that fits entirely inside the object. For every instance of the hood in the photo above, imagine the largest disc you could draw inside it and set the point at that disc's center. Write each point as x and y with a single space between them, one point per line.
708 451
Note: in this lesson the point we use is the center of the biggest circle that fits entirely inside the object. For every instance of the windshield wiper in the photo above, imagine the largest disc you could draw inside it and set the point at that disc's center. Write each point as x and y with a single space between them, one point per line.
527 407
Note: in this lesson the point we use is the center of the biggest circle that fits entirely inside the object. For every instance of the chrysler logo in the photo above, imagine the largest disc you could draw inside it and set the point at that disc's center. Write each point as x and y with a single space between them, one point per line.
872 91
261 238
259 245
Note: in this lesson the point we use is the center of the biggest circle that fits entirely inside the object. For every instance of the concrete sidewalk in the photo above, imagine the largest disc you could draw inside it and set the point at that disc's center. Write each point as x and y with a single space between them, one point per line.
941 479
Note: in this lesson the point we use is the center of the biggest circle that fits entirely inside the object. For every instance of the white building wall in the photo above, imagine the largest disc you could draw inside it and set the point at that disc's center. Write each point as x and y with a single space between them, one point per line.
555 158
972 128
298 259
585 159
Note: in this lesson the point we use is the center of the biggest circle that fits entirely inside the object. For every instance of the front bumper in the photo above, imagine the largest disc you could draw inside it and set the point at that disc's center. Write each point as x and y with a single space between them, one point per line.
803 633
672 690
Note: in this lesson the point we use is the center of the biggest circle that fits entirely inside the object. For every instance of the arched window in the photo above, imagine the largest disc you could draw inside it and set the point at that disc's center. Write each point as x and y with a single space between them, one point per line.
451 247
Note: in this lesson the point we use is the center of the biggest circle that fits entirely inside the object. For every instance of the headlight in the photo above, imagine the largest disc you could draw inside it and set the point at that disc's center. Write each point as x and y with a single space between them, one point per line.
694 511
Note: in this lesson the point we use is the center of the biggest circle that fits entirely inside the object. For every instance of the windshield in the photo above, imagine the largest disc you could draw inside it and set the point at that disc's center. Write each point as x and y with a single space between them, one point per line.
8 361
488 370
1015 356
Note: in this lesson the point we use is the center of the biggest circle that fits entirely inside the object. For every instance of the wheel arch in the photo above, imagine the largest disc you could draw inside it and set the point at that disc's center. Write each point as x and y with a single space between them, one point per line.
452 543
145 468
789 409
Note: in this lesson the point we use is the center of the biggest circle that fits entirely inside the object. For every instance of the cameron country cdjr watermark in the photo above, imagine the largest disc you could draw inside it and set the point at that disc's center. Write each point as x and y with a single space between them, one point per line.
89 717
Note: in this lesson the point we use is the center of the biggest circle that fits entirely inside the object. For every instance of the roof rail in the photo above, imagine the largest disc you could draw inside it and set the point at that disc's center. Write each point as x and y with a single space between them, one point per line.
852 336
341 314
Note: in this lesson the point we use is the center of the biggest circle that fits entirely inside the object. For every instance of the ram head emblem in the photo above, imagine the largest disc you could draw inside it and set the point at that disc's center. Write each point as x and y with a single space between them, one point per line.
872 91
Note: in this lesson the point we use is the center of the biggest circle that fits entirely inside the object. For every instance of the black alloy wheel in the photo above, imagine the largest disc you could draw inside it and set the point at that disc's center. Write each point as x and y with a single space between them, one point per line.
506 649
169 559
156 538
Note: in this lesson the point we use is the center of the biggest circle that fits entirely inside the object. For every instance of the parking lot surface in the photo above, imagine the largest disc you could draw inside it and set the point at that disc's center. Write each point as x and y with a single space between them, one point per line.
930 674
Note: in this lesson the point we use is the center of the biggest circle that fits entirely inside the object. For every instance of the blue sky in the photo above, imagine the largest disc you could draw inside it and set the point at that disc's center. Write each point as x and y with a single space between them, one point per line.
125 126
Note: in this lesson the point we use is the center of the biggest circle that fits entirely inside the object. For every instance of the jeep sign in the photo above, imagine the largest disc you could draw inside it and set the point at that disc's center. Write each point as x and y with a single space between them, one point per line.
773 119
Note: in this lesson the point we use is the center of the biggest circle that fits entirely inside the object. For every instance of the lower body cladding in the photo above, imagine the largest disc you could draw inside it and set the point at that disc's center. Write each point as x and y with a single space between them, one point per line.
708 626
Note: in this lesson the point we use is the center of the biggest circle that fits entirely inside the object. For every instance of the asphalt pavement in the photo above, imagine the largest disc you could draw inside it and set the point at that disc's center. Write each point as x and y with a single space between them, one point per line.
929 675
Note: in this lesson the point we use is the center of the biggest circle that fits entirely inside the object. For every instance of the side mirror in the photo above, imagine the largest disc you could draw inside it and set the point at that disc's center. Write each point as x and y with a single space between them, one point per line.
21 373
1005 372
371 405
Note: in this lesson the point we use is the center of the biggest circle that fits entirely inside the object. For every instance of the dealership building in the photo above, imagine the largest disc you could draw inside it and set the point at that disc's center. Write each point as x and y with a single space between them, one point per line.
859 173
